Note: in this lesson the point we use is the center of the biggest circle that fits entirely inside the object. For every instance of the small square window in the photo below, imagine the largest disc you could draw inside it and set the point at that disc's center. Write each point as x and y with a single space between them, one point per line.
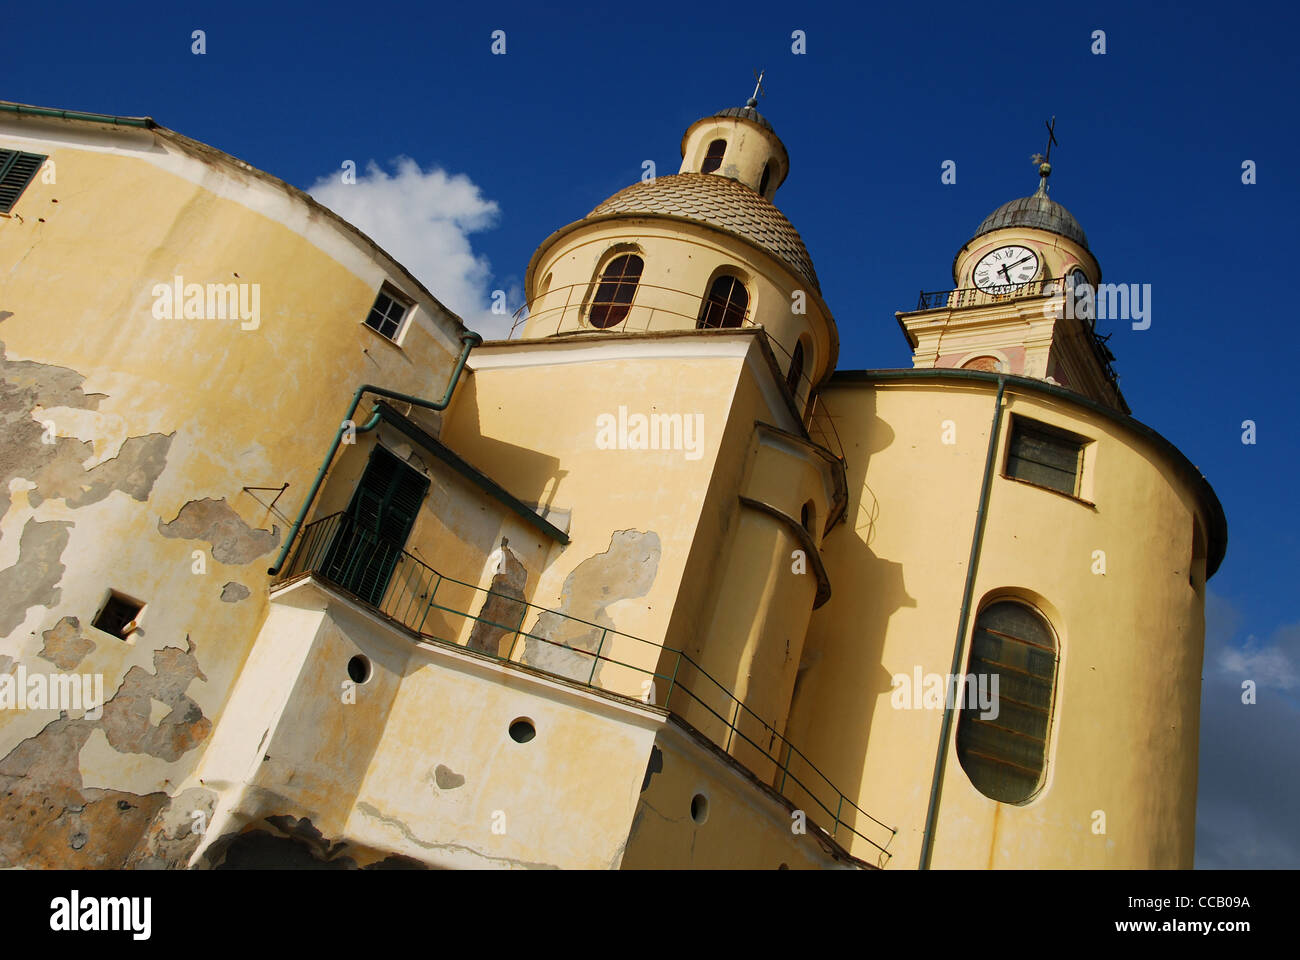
1045 455
386 315
119 614
17 170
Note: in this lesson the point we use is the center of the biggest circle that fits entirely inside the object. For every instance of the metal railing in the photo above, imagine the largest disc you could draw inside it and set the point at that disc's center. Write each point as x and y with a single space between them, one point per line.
406 590
1041 287
679 307
664 302
974 296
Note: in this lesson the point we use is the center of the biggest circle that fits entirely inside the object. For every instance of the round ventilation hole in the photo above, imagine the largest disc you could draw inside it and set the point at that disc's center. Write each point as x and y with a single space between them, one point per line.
359 669
699 808
522 730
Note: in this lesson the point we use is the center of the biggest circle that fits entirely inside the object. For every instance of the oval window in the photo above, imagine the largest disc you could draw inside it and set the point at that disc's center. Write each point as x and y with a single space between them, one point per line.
1006 703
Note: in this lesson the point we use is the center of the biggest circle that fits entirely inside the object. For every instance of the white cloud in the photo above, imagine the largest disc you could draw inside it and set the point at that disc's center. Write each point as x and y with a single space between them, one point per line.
1269 665
424 219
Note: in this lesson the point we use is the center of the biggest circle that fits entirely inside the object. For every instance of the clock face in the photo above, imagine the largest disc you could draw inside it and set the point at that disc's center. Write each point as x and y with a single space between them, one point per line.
1004 268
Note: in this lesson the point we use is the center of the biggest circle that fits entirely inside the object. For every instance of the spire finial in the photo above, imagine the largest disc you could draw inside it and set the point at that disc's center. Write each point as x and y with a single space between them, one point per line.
758 89
1044 160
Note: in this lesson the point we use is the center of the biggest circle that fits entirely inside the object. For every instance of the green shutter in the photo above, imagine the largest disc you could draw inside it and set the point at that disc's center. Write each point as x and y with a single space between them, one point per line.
16 171
370 541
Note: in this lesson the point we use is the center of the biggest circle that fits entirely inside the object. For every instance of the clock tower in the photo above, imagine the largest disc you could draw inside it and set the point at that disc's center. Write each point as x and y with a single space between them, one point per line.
1019 303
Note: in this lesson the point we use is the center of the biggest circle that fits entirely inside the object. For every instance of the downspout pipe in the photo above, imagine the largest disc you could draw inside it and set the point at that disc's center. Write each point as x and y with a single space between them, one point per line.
963 620
23 109
469 340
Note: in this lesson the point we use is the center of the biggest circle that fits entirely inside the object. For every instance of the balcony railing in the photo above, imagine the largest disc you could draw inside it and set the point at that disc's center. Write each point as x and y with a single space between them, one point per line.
1041 287
676 309
409 592
973 296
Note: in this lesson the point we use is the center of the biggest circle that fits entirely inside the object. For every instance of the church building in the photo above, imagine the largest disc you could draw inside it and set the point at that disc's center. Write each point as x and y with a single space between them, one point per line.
653 583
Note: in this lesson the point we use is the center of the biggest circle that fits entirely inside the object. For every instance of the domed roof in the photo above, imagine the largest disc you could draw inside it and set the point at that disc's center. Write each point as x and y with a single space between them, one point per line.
747 112
719 202
1040 212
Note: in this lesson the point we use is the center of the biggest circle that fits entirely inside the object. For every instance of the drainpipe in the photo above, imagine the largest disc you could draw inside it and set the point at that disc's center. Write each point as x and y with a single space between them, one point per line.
23 110
469 339
941 757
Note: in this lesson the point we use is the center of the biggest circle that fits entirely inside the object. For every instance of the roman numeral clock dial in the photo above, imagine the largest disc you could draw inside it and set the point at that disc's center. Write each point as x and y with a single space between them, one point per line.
1006 267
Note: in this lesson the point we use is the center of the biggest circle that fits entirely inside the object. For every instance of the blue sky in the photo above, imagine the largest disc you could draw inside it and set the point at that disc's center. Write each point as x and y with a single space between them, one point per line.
505 149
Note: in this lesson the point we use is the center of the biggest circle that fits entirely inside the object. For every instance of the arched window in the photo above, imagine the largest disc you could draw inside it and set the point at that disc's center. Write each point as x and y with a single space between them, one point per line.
1002 733
613 299
767 175
808 515
986 364
725 305
713 159
795 373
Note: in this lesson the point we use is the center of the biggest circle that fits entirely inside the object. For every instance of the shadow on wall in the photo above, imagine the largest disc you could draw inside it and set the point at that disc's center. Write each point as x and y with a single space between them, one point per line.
841 675
530 475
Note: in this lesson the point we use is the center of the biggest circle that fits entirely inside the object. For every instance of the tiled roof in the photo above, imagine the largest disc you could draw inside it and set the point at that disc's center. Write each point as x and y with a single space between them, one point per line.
719 202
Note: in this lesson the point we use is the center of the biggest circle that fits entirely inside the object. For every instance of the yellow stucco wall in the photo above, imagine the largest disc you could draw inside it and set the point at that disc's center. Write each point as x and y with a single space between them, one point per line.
1124 723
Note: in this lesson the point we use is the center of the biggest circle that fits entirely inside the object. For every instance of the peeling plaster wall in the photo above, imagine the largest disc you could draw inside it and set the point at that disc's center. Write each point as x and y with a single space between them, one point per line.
51 817
125 441
634 513
459 533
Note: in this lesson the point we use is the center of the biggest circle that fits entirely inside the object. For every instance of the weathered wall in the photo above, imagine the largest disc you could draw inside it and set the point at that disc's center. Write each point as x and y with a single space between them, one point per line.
416 762
125 440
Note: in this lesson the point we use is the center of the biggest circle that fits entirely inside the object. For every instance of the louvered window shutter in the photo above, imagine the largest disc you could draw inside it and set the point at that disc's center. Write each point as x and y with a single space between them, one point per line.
16 171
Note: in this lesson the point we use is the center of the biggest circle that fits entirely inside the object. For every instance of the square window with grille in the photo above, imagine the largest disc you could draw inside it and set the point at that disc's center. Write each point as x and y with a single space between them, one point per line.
386 315
1046 456
118 616
17 170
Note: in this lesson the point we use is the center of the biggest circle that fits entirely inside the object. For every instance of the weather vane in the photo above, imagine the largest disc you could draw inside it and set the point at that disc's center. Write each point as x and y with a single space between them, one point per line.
758 88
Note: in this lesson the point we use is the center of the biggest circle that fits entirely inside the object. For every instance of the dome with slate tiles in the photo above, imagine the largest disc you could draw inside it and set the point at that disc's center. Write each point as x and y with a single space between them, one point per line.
721 203
1039 212
747 112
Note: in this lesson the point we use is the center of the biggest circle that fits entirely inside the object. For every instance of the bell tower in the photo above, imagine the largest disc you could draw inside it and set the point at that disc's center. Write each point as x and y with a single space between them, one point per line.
1021 301
740 144
704 249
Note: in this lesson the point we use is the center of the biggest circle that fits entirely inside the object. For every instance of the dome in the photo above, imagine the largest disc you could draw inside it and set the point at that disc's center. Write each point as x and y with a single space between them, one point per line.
1039 212
722 203
746 113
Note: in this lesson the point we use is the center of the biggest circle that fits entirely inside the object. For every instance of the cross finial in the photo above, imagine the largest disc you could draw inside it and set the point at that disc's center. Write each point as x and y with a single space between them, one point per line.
758 88
1043 160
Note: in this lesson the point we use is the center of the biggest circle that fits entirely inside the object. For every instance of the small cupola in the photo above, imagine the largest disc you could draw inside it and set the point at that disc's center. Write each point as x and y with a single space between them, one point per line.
740 144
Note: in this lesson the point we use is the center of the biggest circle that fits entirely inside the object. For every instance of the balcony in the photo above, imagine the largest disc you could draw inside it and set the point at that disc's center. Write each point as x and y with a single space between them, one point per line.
429 607
1042 287
975 297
